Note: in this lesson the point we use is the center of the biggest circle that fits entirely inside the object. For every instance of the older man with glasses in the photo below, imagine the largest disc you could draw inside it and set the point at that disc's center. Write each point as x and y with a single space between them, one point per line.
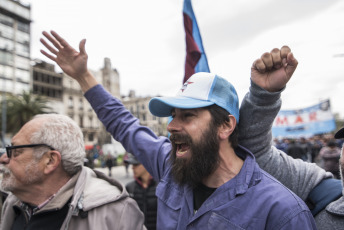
49 188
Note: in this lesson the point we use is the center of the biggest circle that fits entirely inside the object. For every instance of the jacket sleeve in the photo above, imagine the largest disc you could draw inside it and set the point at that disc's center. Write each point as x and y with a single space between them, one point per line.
257 113
150 150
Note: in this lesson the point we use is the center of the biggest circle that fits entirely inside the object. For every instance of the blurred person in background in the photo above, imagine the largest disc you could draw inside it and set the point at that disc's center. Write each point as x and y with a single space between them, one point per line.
306 146
329 156
109 163
296 151
142 190
125 163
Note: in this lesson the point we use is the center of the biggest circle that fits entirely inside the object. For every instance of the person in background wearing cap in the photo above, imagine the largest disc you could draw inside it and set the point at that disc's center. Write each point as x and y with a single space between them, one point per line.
329 157
142 189
206 180
322 193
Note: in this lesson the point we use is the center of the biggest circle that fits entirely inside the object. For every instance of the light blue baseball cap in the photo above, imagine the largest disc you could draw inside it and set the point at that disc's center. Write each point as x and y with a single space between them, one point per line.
200 90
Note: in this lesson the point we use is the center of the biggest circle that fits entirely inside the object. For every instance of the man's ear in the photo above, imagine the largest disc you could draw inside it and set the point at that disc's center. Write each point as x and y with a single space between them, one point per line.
52 160
227 128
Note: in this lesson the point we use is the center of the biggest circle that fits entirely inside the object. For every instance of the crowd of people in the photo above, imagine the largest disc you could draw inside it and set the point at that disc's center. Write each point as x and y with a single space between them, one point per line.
217 170
324 150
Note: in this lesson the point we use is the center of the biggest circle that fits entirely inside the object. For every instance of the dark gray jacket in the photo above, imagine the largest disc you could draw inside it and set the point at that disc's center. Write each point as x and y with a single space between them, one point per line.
257 112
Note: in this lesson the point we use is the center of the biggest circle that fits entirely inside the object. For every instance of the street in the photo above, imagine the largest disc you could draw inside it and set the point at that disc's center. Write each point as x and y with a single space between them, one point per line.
118 172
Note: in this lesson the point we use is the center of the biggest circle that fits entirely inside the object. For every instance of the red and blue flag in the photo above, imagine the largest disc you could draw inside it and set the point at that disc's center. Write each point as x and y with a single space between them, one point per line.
196 60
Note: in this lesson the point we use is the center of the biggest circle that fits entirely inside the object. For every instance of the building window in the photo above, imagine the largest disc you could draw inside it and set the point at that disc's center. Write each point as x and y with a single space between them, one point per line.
24 27
23 75
91 137
23 63
81 121
6 58
6 31
81 104
6 44
6 71
91 121
23 38
59 93
71 115
23 49
6 20
70 102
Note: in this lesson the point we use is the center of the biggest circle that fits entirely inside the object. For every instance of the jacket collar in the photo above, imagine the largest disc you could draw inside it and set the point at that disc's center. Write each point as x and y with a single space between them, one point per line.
336 207
94 189
250 173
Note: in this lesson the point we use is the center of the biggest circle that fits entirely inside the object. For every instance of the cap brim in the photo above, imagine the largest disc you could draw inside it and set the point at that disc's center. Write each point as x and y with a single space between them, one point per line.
339 134
162 106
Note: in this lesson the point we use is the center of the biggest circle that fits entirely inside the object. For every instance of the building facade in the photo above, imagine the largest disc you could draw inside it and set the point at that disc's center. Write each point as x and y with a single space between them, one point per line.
138 106
19 73
47 82
78 108
65 97
15 19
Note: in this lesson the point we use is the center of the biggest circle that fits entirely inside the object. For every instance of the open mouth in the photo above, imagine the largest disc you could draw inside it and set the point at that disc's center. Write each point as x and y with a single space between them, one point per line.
182 149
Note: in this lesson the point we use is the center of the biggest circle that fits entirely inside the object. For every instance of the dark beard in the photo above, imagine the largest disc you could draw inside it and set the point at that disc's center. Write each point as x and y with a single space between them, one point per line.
203 162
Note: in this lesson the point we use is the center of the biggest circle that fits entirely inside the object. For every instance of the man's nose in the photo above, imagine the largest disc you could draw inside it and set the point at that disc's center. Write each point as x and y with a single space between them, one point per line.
174 125
3 158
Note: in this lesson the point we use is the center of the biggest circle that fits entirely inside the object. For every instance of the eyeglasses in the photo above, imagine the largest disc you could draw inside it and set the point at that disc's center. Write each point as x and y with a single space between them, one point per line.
9 148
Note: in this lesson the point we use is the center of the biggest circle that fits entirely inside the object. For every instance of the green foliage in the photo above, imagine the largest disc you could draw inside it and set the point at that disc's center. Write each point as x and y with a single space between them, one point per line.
21 109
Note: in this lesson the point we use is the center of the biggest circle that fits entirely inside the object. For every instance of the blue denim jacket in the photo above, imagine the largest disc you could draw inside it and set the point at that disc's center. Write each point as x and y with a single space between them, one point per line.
251 200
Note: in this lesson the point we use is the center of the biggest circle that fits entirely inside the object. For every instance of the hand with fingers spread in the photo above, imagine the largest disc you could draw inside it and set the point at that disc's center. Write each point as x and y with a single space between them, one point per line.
72 62
273 70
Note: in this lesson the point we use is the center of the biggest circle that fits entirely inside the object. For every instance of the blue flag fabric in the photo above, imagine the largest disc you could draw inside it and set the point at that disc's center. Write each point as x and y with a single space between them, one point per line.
196 60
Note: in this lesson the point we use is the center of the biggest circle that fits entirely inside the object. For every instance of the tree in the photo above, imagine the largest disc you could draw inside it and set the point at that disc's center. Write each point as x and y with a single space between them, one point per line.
21 109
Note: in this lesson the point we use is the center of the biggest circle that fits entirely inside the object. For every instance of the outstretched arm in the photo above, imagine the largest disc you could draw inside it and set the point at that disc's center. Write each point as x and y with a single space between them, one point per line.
269 76
122 125
72 62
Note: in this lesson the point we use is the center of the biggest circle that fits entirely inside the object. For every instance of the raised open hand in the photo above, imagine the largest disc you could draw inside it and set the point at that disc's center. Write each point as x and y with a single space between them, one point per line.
72 62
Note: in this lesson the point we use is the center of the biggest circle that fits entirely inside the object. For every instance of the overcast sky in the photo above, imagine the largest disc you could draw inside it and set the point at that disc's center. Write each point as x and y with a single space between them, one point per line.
145 41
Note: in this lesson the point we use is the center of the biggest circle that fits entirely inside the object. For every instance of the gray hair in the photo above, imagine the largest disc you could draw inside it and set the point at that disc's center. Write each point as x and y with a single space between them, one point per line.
64 135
